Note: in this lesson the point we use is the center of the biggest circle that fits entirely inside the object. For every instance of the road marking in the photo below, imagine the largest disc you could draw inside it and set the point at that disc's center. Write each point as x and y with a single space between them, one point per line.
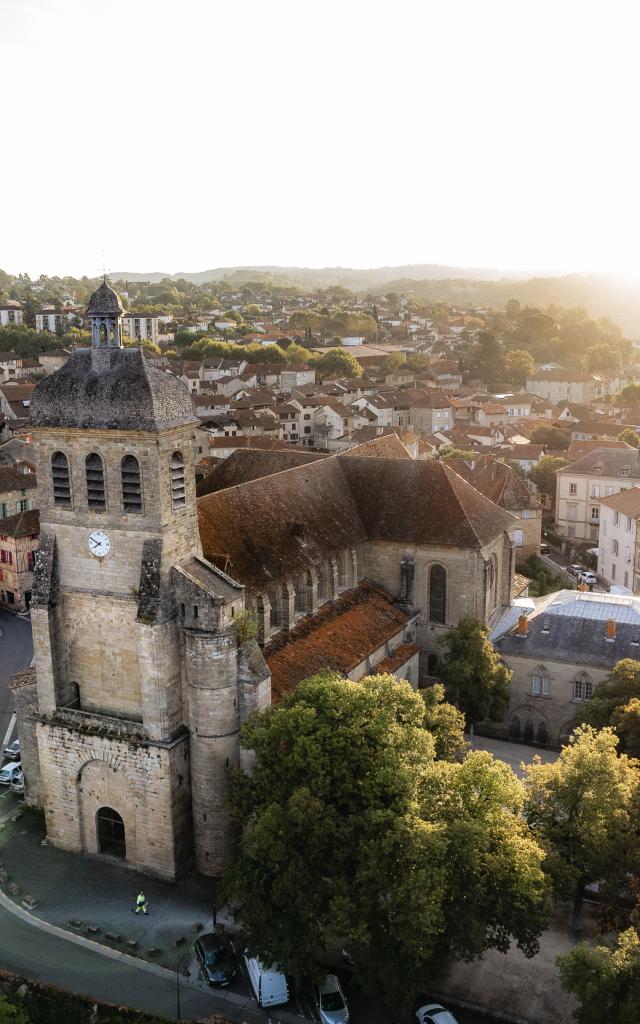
9 732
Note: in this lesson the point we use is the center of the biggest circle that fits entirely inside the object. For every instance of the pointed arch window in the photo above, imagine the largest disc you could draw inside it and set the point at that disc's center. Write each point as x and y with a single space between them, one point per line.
582 687
96 494
178 491
540 682
131 484
61 480
437 594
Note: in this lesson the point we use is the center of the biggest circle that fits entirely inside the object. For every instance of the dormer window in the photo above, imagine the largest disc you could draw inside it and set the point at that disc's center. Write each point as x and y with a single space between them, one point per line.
598 469
625 471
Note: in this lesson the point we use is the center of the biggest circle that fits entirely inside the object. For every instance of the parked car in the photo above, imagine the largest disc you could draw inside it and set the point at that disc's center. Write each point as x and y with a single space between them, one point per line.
575 570
587 576
269 985
9 772
215 961
544 549
330 1000
12 752
433 1013
17 784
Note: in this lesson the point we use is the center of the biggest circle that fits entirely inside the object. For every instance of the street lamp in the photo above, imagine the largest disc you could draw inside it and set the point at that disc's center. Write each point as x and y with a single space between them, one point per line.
181 960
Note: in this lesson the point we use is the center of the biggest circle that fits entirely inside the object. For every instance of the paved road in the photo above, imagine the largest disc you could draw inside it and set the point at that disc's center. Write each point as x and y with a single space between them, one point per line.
29 952
16 652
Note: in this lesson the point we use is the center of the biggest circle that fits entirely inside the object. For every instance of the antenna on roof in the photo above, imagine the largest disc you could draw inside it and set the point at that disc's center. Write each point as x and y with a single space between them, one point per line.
104 268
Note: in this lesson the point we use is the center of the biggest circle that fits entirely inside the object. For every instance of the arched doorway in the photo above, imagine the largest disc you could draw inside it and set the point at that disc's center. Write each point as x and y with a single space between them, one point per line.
111 839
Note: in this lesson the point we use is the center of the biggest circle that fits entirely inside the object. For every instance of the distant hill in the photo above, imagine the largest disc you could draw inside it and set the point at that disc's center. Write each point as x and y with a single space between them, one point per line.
600 295
324 277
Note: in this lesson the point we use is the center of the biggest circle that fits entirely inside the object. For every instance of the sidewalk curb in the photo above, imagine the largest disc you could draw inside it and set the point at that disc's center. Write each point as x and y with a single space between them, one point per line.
112 954
221 995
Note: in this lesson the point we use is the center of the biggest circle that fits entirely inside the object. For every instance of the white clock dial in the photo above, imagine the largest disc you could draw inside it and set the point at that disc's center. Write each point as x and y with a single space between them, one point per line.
99 544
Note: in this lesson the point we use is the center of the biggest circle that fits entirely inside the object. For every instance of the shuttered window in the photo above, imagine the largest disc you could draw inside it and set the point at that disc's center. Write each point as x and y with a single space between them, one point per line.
131 484
178 494
61 480
96 495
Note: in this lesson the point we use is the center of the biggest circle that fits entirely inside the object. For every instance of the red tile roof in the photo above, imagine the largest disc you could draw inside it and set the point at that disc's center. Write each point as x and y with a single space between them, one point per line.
340 636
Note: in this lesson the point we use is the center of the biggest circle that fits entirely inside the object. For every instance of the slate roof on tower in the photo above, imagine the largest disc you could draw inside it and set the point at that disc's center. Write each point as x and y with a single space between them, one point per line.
105 302
130 394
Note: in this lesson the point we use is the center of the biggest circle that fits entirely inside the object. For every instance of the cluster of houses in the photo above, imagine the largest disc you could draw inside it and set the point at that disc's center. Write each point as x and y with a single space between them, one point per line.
272 435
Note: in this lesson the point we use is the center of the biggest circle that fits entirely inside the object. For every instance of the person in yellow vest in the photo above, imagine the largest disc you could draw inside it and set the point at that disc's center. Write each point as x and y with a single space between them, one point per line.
141 903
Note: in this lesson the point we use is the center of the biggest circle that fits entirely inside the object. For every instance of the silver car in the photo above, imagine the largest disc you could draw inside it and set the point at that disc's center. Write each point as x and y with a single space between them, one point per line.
17 783
9 772
331 1003
12 752
433 1013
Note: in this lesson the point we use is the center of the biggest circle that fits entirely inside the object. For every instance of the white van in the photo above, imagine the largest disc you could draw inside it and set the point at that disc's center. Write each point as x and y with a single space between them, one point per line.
269 986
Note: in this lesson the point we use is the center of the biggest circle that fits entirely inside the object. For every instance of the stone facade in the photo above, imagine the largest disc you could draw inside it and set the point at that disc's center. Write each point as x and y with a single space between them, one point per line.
132 721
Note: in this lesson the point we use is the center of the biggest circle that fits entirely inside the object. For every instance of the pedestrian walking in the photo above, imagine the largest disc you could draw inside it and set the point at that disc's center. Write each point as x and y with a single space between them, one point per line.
141 903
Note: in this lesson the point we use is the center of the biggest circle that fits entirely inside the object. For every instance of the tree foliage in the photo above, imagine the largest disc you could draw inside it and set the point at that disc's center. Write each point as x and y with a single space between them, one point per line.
518 366
630 436
616 703
551 437
582 808
544 473
353 831
605 980
476 678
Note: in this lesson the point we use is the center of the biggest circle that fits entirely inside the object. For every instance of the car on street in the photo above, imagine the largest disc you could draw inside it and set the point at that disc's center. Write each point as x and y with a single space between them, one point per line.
214 958
12 752
587 576
433 1013
8 773
544 549
17 783
575 570
330 1000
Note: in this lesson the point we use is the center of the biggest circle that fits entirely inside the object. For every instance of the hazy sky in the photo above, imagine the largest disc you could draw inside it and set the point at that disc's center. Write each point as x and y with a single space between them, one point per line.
193 134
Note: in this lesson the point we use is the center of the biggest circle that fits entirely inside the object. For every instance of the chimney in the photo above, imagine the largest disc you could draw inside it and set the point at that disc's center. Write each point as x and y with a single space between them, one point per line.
611 631
522 626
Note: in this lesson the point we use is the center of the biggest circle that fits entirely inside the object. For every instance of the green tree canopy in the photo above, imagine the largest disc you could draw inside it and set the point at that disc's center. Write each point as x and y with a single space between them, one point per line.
476 678
630 436
353 831
552 437
616 702
630 394
583 809
338 360
605 980
544 473
518 366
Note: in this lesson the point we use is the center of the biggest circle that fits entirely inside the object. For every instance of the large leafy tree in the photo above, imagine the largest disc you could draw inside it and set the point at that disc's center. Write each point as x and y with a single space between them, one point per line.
552 437
476 678
605 979
630 436
616 702
352 830
583 809
544 472
518 366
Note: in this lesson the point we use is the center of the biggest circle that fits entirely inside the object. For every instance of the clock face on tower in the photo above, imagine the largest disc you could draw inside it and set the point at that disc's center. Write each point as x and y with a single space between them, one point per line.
99 544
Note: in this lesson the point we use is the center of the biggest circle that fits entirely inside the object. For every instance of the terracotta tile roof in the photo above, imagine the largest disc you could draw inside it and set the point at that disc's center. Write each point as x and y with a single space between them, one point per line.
627 502
497 481
340 636
22 524
11 479
387 446
579 448
272 528
252 464
399 657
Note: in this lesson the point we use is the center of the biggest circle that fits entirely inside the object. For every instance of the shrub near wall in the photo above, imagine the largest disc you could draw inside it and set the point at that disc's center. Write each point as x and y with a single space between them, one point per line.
45 1004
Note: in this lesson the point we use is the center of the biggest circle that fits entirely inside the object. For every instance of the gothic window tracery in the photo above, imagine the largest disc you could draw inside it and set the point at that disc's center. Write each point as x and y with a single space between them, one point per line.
437 594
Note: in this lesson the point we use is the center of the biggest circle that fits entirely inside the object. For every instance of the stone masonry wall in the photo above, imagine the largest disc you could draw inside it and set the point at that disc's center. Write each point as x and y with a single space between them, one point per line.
147 785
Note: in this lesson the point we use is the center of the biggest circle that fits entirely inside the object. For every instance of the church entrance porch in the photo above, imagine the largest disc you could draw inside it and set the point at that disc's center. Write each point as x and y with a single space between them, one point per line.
111 834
